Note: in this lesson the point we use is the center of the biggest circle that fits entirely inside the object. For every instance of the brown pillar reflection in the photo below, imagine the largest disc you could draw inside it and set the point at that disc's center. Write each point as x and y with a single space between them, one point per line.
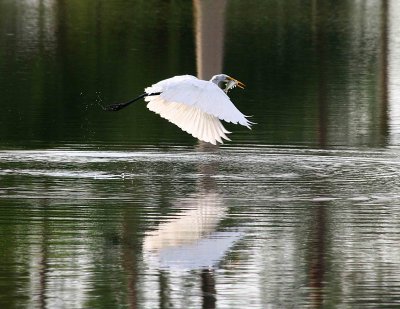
209 32
317 260
129 261
209 19
208 184
383 72
164 290
319 43
208 289
43 266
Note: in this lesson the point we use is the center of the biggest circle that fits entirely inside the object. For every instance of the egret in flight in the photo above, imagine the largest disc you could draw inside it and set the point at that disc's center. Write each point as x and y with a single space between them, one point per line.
196 106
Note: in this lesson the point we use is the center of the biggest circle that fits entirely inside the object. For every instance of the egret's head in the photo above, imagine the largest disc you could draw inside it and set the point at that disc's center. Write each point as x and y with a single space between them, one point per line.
222 81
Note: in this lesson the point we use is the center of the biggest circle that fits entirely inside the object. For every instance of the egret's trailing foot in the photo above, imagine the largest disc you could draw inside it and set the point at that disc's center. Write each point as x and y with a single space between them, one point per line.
118 106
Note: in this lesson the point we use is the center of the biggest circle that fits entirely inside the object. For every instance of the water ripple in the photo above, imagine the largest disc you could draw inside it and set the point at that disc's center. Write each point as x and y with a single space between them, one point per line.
282 220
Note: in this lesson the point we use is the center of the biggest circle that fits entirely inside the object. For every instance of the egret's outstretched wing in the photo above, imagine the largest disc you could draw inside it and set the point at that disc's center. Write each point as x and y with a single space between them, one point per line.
193 120
199 94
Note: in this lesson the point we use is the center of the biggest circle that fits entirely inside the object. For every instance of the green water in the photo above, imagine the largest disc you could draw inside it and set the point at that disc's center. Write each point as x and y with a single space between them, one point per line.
124 210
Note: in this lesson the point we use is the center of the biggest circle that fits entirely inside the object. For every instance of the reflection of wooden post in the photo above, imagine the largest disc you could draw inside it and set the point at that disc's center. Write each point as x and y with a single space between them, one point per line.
209 27
164 289
317 261
209 16
43 265
319 38
383 72
208 289
129 263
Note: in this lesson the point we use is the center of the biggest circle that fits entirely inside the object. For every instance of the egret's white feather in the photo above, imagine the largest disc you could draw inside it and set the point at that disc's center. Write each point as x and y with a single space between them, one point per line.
200 94
190 119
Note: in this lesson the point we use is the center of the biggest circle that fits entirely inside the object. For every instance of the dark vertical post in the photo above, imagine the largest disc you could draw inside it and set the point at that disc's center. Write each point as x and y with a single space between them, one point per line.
383 71
208 289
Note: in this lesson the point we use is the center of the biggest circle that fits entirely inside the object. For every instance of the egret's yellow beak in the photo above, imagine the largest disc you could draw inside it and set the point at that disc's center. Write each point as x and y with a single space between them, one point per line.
238 83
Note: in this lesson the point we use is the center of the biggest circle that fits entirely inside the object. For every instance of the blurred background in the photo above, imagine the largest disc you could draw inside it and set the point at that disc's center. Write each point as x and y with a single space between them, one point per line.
318 72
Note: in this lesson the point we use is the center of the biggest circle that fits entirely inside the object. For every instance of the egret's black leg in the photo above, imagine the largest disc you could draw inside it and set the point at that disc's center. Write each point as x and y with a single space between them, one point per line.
119 106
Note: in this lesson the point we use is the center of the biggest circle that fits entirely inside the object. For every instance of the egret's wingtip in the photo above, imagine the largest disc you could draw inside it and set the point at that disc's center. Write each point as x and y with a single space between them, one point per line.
250 122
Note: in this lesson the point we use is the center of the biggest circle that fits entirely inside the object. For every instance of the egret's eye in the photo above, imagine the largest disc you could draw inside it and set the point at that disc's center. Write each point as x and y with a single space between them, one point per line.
222 84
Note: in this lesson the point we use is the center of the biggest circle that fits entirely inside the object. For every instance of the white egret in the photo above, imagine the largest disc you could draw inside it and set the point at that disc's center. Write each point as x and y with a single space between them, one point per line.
196 106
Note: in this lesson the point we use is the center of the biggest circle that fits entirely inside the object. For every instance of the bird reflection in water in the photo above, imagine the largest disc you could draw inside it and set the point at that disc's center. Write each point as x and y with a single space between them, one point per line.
191 240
